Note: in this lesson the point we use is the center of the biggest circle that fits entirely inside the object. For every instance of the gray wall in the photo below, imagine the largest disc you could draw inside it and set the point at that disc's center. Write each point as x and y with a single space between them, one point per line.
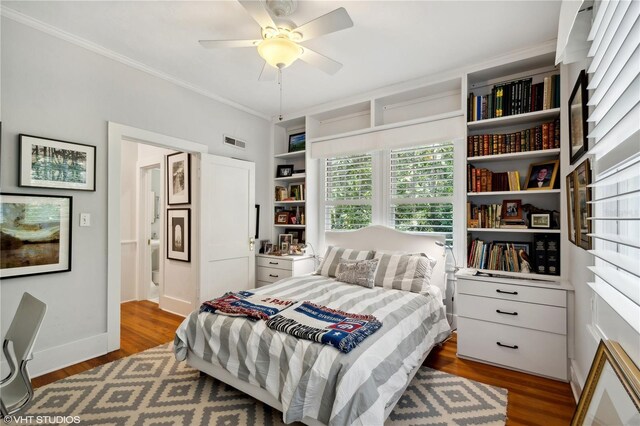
55 89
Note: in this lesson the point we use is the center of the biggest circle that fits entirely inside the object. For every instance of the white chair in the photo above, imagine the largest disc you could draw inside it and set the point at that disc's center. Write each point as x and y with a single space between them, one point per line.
16 390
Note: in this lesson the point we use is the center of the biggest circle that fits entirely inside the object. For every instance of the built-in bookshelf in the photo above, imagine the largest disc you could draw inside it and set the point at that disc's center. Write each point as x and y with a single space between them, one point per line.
289 192
513 133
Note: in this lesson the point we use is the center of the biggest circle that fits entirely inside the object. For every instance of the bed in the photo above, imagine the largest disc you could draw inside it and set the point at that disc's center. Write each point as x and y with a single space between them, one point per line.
315 383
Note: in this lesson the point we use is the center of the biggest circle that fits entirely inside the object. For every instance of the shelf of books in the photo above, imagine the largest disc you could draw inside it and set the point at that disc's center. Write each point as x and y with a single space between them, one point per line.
513 171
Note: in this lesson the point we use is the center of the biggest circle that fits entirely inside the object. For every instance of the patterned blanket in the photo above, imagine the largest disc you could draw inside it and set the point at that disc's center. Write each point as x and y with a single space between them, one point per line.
342 330
246 304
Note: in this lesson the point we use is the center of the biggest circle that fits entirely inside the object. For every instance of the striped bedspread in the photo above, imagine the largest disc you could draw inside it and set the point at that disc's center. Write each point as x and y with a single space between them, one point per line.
315 380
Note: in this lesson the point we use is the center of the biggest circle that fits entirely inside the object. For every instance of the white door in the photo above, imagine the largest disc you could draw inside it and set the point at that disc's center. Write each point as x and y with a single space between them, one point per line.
227 225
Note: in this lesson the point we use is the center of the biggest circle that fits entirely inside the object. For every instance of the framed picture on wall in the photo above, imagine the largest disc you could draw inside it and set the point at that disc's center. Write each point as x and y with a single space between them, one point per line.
611 394
582 177
179 178
571 208
52 163
179 234
578 127
36 234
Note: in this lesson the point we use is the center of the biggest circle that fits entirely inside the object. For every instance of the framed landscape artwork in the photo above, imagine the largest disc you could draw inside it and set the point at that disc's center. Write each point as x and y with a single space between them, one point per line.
51 163
179 234
578 127
297 142
35 234
179 178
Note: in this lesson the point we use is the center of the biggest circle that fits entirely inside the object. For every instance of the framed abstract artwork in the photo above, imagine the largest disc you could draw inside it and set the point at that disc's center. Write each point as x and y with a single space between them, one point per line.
35 234
179 178
179 234
52 163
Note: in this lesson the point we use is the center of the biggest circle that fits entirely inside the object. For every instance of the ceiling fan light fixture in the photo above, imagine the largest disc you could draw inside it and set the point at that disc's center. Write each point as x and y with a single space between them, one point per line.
279 52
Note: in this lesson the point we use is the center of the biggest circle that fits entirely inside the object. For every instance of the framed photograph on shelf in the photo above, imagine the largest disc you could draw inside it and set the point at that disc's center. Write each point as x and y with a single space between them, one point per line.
571 208
268 248
540 220
285 239
582 177
512 211
282 217
611 394
297 142
578 127
51 163
542 175
179 234
36 234
284 170
179 178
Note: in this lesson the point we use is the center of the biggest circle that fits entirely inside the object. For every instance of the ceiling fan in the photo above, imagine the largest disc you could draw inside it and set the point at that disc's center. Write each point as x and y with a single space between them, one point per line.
279 45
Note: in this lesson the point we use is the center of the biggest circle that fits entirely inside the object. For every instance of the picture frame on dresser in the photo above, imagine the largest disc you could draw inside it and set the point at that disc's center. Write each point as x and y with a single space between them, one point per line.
578 126
611 394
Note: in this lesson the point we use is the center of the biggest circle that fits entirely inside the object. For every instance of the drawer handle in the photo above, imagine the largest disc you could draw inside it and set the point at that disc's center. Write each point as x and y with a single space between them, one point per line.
506 292
506 313
507 346
273 263
274 276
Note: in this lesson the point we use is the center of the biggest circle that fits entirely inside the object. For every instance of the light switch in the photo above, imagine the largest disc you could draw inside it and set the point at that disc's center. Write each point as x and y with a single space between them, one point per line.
85 219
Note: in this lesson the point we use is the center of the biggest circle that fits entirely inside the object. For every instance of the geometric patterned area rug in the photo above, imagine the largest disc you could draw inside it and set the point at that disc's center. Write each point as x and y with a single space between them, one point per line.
151 388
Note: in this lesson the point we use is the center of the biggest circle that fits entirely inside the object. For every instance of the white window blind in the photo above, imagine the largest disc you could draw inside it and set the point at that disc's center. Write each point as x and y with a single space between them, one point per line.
421 189
615 138
348 192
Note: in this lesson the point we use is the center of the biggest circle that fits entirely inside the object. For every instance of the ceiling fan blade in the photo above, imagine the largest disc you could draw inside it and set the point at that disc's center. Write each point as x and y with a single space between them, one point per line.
320 61
333 21
258 13
214 44
268 73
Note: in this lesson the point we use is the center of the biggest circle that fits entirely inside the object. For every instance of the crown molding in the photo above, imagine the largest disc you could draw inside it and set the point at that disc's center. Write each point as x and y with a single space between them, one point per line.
21 18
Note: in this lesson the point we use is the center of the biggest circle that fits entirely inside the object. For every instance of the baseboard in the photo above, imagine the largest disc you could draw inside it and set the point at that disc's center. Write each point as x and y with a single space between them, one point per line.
576 381
52 359
175 306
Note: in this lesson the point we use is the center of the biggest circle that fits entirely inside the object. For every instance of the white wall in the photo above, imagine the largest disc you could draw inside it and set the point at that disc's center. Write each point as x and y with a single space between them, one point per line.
56 89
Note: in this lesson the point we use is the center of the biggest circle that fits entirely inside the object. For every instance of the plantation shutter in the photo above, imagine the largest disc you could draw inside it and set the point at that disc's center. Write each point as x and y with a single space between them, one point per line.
615 139
348 192
421 189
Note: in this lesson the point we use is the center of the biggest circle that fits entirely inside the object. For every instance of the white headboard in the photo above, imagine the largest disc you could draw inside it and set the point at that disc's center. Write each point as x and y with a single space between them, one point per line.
382 238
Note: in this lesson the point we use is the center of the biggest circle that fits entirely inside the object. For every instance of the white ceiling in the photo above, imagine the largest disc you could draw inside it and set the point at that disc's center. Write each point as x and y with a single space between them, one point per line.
390 42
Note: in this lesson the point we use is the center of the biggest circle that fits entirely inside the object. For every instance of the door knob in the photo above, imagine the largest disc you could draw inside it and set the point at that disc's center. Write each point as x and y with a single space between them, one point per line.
252 243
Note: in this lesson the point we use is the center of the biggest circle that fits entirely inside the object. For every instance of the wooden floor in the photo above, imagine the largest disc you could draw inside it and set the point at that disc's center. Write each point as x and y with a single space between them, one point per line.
532 400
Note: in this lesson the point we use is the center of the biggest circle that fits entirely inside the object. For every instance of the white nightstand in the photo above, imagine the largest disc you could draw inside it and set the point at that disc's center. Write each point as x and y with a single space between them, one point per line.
274 268
515 323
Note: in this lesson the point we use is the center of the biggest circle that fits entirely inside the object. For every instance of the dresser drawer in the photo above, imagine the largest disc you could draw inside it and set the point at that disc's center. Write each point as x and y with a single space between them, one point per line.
520 293
271 262
538 317
530 350
272 275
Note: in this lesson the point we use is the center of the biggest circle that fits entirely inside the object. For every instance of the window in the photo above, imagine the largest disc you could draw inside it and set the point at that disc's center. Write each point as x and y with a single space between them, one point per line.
348 192
410 189
421 187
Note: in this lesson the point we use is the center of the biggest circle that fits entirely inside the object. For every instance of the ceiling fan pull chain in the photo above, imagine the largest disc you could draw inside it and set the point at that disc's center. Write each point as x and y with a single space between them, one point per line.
280 85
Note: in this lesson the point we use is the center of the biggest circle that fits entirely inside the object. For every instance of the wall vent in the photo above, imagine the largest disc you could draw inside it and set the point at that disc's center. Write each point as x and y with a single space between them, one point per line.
236 143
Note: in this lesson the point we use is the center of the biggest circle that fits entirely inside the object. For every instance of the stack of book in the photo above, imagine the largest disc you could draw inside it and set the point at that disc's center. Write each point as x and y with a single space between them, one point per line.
515 97
544 136
484 180
484 216
546 249
495 256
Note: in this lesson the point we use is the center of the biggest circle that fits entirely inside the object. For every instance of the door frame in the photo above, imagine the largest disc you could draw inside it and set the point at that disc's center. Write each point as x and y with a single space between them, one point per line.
143 227
116 134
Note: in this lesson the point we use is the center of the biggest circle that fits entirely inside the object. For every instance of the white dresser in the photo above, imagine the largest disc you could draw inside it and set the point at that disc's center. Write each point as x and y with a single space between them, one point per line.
270 269
514 323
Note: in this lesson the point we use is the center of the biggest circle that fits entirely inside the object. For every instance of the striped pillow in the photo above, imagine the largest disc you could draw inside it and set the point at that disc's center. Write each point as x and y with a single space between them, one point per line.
404 272
332 257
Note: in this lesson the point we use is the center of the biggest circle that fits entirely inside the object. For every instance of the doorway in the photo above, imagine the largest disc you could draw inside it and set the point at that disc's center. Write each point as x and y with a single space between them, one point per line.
149 221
